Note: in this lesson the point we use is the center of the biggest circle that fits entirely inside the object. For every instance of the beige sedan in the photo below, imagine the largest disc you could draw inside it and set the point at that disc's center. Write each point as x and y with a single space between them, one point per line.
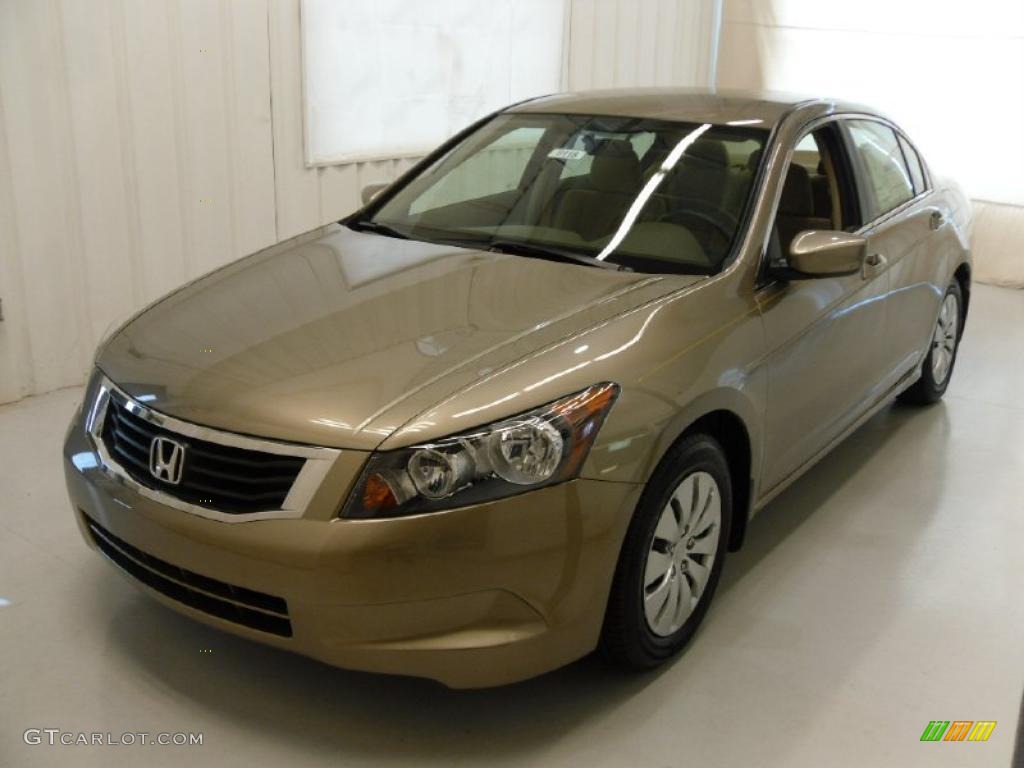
522 403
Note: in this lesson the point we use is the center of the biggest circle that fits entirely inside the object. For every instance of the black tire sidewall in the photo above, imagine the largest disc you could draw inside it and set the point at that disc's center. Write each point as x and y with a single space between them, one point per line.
637 646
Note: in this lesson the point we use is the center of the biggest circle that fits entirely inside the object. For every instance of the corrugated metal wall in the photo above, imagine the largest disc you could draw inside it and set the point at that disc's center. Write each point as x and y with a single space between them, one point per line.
144 143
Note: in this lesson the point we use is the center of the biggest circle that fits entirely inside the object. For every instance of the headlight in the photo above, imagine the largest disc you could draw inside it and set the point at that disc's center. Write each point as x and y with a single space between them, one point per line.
541 447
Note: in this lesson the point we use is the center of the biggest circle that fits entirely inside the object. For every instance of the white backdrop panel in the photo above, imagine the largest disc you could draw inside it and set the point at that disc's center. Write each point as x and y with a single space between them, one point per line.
389 78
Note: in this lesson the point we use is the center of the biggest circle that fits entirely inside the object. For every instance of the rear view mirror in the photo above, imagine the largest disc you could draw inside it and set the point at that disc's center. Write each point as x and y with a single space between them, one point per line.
370 191
824 253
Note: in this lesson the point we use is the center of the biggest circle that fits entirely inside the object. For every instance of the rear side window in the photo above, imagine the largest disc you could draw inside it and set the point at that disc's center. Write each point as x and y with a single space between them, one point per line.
914 164
888 183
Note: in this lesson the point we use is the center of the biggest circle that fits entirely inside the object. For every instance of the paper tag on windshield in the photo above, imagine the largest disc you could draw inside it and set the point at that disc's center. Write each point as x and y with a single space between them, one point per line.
567 154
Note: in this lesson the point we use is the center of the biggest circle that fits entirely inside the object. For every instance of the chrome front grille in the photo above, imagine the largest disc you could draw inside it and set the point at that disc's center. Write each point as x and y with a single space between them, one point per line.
222 475
215 476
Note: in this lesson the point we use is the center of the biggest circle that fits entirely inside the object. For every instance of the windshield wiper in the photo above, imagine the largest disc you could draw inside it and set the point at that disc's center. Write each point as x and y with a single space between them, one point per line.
554 254
497 246
369 225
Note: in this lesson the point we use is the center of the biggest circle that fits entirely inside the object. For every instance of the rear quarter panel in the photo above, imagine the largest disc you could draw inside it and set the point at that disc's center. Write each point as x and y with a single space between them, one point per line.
952 244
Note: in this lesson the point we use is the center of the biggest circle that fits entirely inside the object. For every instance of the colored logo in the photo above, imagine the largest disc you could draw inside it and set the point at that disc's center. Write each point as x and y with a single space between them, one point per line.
958 730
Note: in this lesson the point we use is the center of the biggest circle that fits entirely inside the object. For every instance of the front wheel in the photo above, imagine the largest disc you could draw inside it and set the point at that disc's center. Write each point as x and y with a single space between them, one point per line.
938 363
672 557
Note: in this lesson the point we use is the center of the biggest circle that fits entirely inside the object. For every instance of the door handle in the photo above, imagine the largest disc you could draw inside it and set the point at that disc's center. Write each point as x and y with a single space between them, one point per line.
935 220
873 265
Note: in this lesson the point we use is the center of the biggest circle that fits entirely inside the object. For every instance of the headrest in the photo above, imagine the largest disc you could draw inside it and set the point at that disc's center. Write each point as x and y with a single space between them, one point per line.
797 192
615 167
754 160
702 172
708 150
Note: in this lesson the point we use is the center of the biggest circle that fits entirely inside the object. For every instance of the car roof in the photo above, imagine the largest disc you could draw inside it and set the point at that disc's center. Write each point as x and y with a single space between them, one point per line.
719 106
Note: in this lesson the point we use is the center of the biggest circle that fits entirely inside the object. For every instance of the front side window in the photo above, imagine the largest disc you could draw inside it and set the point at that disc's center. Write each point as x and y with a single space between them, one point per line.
814 193
651 195
889 183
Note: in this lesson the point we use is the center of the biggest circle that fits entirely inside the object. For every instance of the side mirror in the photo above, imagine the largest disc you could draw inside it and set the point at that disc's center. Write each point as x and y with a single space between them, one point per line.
370 191
824 253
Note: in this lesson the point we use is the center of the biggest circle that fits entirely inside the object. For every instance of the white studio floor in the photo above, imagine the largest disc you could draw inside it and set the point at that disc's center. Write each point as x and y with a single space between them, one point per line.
880 592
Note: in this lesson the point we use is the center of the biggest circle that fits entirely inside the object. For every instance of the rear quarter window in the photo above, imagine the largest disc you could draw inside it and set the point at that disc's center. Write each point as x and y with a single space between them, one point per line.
914 165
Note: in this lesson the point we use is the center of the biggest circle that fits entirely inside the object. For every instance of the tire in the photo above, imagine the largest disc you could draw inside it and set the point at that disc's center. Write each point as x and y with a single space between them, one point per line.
937 368
635 635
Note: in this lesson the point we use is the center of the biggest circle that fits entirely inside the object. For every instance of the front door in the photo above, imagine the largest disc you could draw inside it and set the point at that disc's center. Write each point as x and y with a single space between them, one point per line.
824 336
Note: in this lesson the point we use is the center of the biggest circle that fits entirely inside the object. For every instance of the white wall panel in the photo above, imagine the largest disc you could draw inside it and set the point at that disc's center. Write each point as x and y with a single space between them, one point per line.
48 311
623 43
298 188
998 242
16 375
101 163
250 125
152 86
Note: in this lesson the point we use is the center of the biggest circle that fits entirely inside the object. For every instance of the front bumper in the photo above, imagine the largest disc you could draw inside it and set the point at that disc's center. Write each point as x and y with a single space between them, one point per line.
471 597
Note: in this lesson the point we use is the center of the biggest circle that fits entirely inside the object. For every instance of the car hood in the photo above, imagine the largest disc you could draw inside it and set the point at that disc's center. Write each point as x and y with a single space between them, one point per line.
327 339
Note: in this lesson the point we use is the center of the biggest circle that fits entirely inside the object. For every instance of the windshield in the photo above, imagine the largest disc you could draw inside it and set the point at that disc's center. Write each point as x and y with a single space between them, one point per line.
650 195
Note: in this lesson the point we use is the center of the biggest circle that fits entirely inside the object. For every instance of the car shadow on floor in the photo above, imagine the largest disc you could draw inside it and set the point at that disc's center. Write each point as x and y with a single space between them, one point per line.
775 523
318 709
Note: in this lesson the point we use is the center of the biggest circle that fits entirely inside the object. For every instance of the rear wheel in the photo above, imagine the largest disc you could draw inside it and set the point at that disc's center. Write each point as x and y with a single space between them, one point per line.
672 557
938 363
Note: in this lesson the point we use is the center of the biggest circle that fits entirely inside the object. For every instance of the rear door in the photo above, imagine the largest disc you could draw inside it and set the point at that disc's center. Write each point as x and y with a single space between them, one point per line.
899 224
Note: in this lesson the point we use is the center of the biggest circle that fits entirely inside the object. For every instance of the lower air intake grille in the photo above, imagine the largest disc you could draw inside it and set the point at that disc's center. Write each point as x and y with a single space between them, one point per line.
256 610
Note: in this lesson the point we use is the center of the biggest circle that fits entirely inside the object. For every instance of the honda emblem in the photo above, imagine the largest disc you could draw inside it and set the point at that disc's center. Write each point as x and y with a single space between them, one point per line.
166 460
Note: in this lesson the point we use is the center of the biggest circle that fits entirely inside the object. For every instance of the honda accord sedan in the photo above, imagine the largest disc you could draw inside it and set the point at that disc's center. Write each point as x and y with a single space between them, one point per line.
521 404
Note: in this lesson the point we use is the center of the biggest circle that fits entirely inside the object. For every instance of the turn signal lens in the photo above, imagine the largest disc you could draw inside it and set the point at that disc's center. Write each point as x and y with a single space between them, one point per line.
585 415
541 447
377 494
